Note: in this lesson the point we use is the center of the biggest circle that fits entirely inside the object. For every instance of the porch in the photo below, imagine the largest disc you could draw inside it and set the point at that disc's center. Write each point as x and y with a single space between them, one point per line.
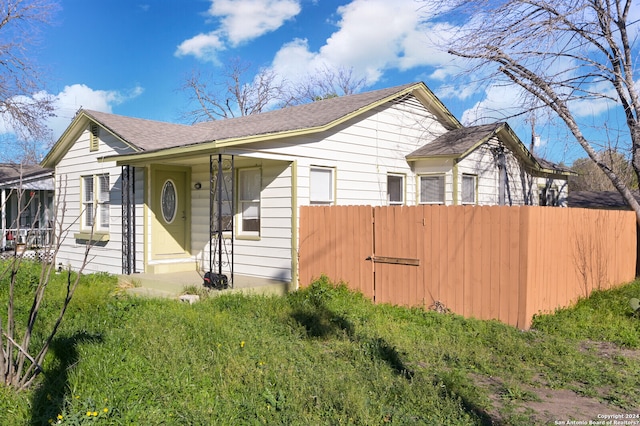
171 285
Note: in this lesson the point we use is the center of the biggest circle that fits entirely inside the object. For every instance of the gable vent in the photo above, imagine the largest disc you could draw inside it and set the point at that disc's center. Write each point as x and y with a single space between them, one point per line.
94 129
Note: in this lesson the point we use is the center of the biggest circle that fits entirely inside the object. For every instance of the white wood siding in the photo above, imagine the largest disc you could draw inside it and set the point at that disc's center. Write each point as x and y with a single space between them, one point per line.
269 255
79 161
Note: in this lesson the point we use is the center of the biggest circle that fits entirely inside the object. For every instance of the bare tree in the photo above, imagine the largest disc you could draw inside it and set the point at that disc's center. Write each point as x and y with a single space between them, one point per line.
591 178
234 94
326 83
566 54
22 105
21 357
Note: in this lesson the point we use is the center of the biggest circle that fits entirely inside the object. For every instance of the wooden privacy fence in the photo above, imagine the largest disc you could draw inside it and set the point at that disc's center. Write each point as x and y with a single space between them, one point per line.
505 263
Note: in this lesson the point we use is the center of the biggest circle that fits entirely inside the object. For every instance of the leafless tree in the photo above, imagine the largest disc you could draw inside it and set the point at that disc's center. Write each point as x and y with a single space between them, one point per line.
22 105
566 54
591 178
233 94
326 83
21 358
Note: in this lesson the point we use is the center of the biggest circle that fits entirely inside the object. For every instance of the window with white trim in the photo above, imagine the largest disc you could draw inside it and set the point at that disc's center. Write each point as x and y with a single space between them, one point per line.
95 202
321 185
469 185
395 189
432 189
249 185
547 196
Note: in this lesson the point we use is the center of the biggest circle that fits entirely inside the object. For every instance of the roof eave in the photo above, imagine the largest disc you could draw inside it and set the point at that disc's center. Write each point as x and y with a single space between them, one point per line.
70 135
197 148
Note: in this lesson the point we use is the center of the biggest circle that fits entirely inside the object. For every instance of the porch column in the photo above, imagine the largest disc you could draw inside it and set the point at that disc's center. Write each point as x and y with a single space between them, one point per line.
3 200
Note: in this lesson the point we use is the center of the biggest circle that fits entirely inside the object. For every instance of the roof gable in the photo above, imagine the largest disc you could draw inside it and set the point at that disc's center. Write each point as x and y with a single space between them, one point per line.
458 143
147 136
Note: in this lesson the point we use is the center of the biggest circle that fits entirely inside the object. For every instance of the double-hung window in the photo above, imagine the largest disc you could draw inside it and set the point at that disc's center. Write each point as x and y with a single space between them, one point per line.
321 184
95 202
432 189
395 189
469 184
249 184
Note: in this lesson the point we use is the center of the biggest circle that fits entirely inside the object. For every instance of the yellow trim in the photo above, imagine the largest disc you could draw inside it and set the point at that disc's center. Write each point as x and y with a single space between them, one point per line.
294 225
94 137
419 90
186 190
96 237
455 184
146 197
70 137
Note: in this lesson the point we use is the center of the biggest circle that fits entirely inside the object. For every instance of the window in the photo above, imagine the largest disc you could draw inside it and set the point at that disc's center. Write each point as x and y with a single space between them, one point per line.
395 189
94 131
95 202
432 189
321 185
169 201
469 189
249 184
547 196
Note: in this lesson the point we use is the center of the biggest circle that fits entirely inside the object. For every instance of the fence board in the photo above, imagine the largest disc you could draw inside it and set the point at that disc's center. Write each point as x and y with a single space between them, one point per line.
507 263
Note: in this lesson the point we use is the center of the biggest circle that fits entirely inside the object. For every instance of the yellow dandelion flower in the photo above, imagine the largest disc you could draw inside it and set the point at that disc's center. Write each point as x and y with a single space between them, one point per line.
105 409
95 413
242 344
59 416
88 413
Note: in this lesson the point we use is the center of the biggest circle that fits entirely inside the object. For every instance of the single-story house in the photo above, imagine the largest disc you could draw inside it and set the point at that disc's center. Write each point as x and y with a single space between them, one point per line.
608 200
26 199
224 196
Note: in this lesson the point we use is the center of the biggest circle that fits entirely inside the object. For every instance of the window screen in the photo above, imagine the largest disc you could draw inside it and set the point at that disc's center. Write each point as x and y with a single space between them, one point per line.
432 189
321 191
468 189
395 189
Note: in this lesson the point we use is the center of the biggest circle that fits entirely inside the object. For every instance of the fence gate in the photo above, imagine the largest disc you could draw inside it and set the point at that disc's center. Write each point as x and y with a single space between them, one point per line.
395 258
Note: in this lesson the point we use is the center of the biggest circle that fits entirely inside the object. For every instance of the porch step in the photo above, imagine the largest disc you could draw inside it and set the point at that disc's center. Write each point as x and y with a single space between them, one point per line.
172 285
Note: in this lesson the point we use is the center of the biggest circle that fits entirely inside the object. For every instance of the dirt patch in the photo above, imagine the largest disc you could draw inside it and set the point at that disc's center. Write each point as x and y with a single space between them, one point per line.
523 403
608 350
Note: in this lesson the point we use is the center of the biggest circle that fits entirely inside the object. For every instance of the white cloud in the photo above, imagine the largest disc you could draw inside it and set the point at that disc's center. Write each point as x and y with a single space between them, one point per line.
372 37
202 46
244 20
499 102
240 21
77 96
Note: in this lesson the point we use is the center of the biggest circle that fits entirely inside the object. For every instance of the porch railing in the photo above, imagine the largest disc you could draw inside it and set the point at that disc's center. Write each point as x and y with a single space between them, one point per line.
31 238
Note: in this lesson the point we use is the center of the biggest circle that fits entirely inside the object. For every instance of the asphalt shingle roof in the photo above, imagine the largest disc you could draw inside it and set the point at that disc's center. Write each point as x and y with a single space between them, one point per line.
456 142
148 135
13 171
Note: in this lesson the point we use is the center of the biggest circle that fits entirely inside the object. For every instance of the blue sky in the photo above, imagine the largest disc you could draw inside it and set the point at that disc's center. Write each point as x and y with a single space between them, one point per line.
130 57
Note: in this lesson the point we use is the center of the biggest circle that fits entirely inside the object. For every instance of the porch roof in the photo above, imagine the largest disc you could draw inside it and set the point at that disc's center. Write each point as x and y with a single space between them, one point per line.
13 175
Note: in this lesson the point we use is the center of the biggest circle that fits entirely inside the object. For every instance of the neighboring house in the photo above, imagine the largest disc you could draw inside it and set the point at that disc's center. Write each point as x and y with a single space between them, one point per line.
26 197
608 200
224 195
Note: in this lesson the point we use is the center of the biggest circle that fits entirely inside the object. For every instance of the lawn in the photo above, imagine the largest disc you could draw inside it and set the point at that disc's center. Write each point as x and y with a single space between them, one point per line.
325 355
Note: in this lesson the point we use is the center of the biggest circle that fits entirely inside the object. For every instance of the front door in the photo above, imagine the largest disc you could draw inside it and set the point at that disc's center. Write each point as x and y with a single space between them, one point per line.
170 211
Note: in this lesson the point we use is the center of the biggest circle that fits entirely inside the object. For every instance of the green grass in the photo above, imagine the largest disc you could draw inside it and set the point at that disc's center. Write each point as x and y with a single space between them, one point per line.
323 355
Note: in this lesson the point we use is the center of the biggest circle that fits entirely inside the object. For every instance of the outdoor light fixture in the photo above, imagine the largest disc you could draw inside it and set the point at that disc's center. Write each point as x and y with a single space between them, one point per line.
198 185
